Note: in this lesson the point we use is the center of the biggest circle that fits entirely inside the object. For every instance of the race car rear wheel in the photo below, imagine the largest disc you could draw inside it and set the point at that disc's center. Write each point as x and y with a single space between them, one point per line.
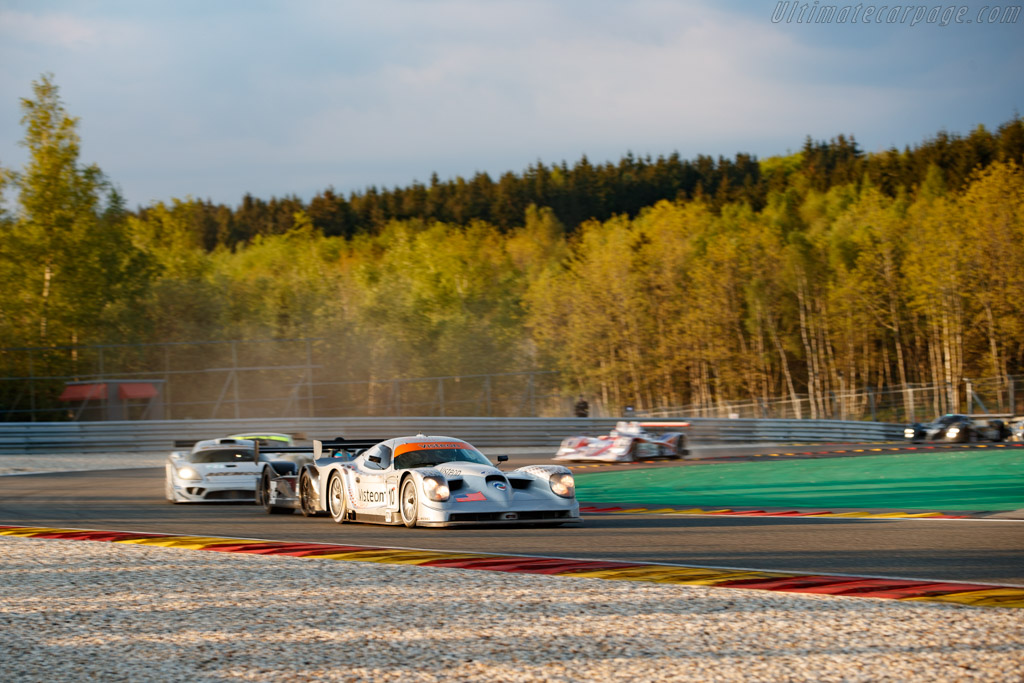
336 503
410 504
263 496
307 504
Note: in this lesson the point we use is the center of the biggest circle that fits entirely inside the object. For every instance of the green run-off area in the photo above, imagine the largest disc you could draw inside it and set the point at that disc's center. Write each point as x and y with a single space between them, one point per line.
976 480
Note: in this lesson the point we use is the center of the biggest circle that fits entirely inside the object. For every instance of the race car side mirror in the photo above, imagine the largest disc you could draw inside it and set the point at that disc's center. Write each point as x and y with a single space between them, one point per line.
501 459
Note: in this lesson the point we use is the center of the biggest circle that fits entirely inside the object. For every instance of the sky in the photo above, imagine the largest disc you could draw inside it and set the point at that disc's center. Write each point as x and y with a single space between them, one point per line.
216 99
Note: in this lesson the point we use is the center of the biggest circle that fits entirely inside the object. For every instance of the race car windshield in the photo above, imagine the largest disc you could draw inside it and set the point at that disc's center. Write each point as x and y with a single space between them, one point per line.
221 455
438 456
947 420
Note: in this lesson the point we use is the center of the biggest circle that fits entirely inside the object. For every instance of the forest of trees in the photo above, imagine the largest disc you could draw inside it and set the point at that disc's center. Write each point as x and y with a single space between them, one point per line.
646 282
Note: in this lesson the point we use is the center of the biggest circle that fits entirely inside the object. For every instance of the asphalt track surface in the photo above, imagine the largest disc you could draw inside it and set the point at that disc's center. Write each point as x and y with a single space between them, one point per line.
974 550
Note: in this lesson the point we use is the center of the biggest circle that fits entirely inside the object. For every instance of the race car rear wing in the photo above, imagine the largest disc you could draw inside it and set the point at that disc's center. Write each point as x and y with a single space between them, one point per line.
321 449
352 446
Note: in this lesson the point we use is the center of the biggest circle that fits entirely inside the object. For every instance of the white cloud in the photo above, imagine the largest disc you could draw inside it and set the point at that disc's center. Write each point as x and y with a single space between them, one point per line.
215 99
57 29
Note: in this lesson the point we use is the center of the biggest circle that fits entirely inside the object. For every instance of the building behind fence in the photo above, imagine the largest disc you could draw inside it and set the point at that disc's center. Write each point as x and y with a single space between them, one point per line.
306 378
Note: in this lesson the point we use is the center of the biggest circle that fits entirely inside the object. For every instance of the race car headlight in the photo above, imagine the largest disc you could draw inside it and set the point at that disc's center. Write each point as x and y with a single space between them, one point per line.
952 432
188 473
563 484
436 488
908 432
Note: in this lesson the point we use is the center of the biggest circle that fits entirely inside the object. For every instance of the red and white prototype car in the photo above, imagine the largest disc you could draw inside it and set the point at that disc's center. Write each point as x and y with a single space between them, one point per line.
628 442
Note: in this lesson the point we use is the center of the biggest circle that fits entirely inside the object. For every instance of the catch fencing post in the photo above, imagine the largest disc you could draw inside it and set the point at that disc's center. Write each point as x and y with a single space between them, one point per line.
309 377
32 385
234 373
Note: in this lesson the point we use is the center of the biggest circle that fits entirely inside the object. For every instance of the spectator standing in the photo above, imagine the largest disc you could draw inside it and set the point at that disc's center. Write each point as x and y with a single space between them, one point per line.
582 408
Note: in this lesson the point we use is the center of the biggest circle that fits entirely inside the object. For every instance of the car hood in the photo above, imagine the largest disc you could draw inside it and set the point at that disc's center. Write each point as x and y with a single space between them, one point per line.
226 467
467 470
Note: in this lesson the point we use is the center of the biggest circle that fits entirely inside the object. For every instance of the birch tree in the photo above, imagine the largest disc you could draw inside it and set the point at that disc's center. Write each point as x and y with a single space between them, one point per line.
67 254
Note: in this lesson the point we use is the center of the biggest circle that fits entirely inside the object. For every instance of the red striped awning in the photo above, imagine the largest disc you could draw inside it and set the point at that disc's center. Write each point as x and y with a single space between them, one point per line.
136 390
84 392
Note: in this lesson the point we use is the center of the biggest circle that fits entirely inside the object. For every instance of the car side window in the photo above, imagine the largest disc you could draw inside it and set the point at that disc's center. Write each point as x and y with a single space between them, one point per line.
377 458
385 457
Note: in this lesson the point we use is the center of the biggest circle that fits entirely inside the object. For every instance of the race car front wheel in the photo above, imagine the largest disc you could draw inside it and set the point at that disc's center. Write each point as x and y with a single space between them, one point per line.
410 503
336 503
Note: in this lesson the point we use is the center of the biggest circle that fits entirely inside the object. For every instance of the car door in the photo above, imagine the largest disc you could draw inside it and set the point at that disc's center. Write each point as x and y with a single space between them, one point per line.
370 480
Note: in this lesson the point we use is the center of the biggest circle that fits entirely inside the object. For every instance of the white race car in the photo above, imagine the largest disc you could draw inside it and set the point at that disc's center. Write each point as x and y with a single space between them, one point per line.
628 442
435 481
215 470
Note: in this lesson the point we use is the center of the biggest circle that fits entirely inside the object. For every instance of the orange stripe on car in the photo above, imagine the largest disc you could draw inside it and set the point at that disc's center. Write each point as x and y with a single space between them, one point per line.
429 445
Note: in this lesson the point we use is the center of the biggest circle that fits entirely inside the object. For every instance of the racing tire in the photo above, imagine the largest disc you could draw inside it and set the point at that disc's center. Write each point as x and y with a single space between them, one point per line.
999 431
409 503
676 450
337 506
263 496
306 505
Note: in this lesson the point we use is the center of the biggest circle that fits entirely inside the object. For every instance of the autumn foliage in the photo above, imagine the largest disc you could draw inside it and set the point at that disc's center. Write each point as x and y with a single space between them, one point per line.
647 282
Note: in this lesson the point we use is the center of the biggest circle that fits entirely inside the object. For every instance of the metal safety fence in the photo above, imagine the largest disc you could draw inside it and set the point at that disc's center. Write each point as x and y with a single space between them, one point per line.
246 379
311 378
162 435
909 403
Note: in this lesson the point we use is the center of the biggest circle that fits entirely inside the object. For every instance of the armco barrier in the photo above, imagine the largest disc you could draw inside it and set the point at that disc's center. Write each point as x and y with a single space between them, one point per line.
161 435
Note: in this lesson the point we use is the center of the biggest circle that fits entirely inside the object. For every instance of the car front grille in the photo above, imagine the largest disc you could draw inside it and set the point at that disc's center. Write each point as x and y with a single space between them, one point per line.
531 515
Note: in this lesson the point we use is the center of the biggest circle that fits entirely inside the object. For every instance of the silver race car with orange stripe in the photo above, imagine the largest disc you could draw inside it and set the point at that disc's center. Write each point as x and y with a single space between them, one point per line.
435 481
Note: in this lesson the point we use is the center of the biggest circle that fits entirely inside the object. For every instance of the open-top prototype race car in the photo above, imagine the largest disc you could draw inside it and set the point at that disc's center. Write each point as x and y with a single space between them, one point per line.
628 442
277 488
433 481
1016 429
954 428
